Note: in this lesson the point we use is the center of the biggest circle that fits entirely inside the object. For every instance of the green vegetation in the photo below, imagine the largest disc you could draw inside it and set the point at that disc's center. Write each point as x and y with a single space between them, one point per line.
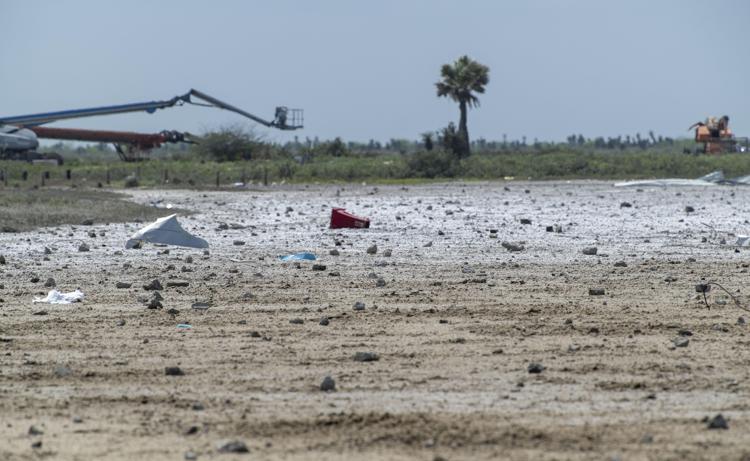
553 163
23 210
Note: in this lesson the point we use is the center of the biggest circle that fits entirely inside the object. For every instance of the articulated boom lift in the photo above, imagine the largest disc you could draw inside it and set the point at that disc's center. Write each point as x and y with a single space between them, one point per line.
19 134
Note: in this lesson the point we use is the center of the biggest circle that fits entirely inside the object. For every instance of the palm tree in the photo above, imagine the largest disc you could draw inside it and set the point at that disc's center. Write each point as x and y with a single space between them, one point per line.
460 81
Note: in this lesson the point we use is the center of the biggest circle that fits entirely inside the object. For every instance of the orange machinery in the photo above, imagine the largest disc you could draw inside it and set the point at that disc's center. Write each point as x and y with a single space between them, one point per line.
716 136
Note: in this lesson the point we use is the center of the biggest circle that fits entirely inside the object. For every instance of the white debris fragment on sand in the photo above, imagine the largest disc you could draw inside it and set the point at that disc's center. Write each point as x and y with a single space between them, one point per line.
166 230
57 297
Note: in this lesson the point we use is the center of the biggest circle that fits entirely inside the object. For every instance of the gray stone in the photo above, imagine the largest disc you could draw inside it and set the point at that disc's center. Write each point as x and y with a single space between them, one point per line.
359 306
590 251
372 250
234 446
328 384
121 285
535 368
366 357
718 422
153 285
173 371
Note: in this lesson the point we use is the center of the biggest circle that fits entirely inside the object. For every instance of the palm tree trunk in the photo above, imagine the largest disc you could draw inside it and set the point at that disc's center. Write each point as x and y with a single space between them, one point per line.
463 131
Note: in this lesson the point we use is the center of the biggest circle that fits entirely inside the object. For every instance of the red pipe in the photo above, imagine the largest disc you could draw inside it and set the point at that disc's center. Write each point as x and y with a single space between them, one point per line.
140 140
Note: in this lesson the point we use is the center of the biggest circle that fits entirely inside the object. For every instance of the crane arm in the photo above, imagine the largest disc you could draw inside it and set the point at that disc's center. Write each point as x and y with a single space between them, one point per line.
280 121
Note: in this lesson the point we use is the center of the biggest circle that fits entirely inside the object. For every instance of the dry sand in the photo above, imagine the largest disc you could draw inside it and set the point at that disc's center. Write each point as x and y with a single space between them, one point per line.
456 326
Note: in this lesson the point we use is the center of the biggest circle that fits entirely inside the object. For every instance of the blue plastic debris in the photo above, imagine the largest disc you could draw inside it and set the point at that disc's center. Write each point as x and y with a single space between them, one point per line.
184 326
299 257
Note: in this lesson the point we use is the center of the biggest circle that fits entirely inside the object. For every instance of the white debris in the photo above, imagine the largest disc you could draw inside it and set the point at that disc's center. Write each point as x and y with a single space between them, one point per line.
167 231
743 240
56 297
710 179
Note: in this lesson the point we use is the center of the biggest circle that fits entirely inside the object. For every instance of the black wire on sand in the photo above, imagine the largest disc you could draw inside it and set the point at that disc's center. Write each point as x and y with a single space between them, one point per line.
705 287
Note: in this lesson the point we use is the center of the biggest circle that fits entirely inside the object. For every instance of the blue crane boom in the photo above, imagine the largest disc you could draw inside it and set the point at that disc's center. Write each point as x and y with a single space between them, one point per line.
284 118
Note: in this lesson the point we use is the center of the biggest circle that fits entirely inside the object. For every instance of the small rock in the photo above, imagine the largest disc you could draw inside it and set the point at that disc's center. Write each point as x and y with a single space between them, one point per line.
387 253
36 444
234 447
319 267
428 244
2 260
621 264
380 282
34 279
596 291
366 357
334 252
525 221
741 321
197 406
328 384
154 303
83 247
47 251
689 209
681 342
190 456
153 285
512 246
87 222
718 422
324 321
77 420
625 205
535 368
122 285
359 306
372 250
238 243
50 283
297 321
120 323
173 371
590 251
34 430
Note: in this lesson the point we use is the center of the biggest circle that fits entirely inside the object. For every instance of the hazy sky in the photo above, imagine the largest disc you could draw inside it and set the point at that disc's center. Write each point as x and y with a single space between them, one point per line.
366 69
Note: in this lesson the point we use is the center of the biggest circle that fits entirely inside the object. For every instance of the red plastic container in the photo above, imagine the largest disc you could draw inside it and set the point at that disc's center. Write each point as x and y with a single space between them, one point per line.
340 218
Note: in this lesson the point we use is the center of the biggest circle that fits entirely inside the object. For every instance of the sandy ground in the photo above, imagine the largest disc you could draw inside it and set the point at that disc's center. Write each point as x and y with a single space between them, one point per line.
456 326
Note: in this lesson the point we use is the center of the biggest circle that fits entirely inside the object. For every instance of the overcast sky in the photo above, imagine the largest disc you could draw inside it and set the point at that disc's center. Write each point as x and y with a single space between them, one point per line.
366 69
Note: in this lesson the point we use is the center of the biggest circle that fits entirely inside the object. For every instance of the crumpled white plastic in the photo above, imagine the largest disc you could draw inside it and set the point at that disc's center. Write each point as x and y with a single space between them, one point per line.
56 297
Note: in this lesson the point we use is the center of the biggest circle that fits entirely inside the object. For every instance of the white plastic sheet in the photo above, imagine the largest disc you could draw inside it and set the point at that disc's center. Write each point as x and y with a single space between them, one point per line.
57 297
166 230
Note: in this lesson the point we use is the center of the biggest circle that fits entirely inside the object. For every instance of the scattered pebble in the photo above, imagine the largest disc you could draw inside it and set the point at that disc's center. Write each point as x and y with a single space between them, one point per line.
173 371
234 446
153 285
359 306
366 357
328 384
372 250
717 422
590 251
535 368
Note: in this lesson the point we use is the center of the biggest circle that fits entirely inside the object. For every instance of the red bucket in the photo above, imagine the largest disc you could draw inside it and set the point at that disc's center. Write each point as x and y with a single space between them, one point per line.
340 218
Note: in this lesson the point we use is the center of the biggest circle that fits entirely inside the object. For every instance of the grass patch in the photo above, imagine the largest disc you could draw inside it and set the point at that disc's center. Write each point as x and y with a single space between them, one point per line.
22 210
